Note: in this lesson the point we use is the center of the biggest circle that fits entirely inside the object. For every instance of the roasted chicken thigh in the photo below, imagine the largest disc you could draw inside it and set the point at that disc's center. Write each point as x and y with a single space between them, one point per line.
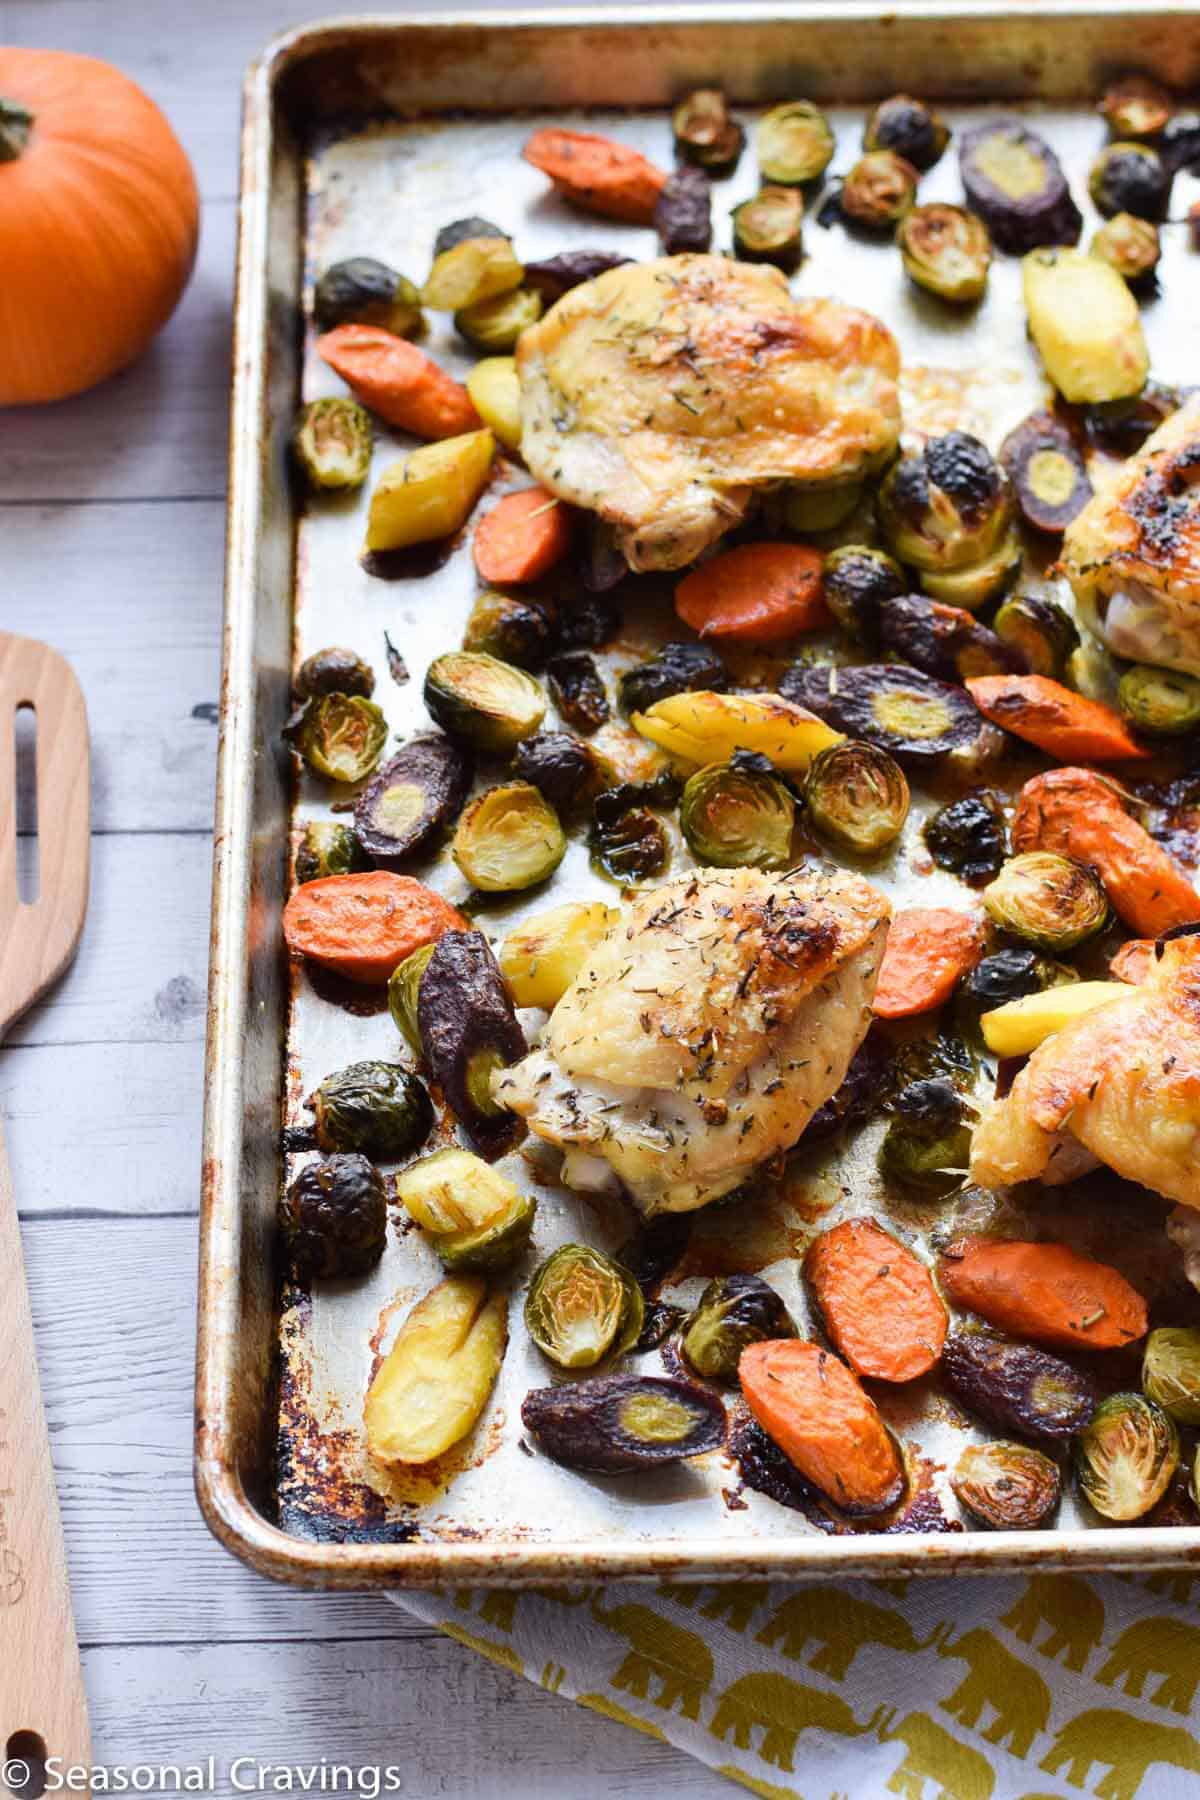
662 394
708 1026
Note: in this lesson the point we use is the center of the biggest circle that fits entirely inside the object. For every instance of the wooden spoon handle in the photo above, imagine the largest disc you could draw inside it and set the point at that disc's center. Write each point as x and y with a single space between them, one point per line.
41 1682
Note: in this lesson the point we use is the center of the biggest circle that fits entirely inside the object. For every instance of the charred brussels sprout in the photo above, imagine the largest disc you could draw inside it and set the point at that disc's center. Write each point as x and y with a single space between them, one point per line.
1136 107
879 190
617 1424
683 211
493 326
510 628
1041 630
946 507
468 1030
1017 1387
858 582
332 444
1047 900
1161 702
910 128
335 1217
1121 427
927 1146
557 275
561 767
736 816
929 1059
627 842
769 228
945 250
857 797
334 671
458 230
914 718
706 134
944 641
540 958
1005 976
362 291
1130 178
404 986
435 1381
794 144
1129 245
1047 473
676 669
1014 181
588 621
968 837
474 269
581 1307
577 690
329 848
477 1219
509 838
973 586
375 1107
733 1312
486 703
413 797
1171 1372
340 736
1007 1486
1126 1457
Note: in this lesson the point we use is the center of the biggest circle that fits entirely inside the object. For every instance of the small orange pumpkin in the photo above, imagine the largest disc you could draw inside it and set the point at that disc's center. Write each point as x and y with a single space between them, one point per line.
98 223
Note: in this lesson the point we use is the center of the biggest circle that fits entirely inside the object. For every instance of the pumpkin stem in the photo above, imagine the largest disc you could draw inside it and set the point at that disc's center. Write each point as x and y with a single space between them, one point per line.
16 122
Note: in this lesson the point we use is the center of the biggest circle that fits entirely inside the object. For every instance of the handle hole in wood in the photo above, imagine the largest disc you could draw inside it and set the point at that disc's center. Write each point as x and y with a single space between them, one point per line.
25 1750
25 809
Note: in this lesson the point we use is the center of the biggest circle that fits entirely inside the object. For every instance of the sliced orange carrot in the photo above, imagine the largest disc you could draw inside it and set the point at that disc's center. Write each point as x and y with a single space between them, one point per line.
1133 961
522 537
399 382
597 174
1055 718
928 950
363 926
756 594
878 1301
810 1404
1047 1292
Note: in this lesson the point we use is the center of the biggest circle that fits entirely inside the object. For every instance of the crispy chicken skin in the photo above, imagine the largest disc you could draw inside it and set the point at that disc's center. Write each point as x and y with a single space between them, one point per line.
1132 555
662 394
1120 1085
710 1023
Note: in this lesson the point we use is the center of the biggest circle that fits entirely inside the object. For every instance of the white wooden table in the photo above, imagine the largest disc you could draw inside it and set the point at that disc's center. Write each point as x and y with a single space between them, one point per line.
111 515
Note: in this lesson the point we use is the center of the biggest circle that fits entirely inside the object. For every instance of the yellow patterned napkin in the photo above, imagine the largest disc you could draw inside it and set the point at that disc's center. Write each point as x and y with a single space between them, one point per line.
985 1689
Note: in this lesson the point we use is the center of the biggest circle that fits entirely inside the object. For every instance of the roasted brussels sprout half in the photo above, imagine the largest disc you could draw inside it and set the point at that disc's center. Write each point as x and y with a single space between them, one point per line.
794 144
468 1029
434 1382
581 1307
413 797
769 228
927 1146
732 1312
332 444
1130 178
493 326
557 275
1041 630
858 582
627 842
541 957
910 128
1007 1486
561 767
968 837
471 271
428 494
1018 1388
857 797
509 627
914 718
1136 107
675 669
577 689
947 506
944 640
1047 900
477 1219
375 1107
736 815
1129 245
927 1059
879 190
335 1217
329 848
1171 1371
706 134
362 291
404 985
460 229
1047 472
1126 1456
334 671
1121 427
1005 976
509 838
618 1424
945 250
1014 181
973 586
1085 324
340 736
683 211
805 508
1161 702
486 703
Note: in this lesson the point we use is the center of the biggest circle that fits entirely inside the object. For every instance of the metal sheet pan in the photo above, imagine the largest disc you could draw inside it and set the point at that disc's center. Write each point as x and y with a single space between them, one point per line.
369 134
